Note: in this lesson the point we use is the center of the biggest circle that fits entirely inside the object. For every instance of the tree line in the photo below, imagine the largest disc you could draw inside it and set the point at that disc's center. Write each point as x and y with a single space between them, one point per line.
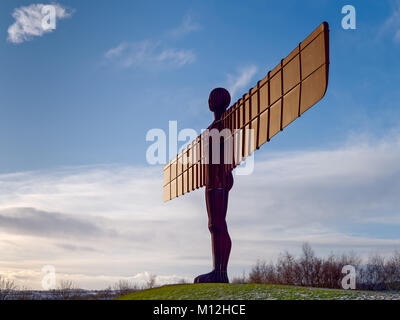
376 273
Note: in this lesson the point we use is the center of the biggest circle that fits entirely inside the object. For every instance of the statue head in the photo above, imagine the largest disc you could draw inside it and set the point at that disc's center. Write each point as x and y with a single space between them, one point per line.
219 101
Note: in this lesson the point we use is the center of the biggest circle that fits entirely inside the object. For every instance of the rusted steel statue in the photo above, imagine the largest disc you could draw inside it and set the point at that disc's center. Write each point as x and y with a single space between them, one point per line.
297 83
219 181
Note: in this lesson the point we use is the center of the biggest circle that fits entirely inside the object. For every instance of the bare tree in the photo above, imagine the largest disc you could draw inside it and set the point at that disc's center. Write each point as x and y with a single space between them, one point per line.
392 270
376 272
263 272
67 289
6 288
306 264
151 282
310 270
125 286
285 269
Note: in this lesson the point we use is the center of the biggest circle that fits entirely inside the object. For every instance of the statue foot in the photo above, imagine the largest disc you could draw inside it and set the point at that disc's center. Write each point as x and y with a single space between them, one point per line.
213 277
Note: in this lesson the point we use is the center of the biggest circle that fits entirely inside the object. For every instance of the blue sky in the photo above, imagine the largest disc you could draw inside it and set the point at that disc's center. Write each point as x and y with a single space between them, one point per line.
63 103
76 104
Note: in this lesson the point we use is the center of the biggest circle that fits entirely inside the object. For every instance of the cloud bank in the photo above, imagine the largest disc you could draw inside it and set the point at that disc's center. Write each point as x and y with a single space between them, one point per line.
97 225
148 54
37 223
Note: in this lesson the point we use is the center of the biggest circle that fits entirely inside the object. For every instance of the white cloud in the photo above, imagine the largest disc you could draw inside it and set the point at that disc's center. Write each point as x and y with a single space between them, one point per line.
28 22
338 200
117 51
392 24
188 26
241 80
397 36
24 279
176 57
149 54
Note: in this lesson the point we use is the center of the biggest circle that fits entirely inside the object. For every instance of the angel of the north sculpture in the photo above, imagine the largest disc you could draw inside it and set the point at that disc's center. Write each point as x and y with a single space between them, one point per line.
297 83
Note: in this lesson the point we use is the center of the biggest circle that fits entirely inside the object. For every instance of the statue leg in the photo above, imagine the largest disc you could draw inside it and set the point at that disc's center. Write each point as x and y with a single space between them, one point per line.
217 205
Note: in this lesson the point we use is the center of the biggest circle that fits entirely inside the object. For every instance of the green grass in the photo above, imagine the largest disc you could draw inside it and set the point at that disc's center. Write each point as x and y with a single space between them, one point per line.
252 292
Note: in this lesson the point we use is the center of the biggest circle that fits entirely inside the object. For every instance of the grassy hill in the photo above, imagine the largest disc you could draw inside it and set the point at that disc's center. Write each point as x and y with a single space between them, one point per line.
253 292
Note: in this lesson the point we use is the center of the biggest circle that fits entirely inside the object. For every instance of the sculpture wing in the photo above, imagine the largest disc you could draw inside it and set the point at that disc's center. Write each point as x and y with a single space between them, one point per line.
289 90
